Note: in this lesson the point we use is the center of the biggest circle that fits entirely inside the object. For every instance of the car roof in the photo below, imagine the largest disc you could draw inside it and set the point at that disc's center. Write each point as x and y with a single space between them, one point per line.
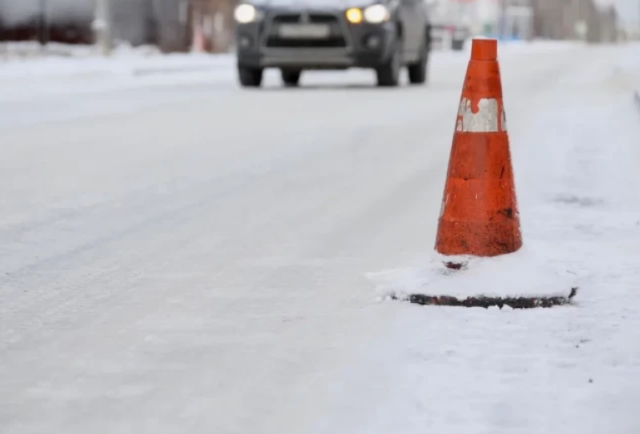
315 3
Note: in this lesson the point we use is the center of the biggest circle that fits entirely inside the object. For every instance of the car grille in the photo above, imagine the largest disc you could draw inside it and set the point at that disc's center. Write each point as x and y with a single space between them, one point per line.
277 42
336 38
314 18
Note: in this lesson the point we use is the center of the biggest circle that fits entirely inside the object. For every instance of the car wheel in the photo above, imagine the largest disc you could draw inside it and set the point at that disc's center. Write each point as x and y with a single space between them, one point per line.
250 77
389 74
418 71
290 77
457 44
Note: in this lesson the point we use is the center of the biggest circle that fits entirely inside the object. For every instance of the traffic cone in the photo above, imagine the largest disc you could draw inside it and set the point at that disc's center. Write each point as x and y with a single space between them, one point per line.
479 214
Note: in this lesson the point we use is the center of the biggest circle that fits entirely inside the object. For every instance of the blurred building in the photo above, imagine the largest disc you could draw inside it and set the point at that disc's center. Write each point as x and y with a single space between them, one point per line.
505 19
213 20
207 25
529 19
172 25
164 23
516 20
574 19
610 29
23 20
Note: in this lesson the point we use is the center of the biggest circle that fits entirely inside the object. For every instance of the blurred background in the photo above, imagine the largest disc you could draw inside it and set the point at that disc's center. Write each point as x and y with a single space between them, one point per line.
207 25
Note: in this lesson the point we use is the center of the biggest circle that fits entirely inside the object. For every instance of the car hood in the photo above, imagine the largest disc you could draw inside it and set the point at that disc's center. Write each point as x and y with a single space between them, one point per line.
312 4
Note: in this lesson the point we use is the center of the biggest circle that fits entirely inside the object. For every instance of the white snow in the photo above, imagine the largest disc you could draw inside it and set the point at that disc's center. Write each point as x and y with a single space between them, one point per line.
199 266
32 50
125 65
572 369
535 46
27 74
25 62
30 72
525 273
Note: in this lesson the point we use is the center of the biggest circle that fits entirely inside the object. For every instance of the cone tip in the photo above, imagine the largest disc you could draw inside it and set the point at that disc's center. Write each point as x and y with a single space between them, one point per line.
484 49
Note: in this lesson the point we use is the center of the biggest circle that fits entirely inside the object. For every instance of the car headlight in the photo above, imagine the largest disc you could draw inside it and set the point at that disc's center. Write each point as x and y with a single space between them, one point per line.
245 13
354 15
376 14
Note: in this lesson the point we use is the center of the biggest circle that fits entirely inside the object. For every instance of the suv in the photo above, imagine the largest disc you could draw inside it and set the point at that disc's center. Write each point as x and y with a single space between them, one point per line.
295 35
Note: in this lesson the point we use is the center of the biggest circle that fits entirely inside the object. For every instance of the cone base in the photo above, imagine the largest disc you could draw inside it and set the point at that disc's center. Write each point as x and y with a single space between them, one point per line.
487 302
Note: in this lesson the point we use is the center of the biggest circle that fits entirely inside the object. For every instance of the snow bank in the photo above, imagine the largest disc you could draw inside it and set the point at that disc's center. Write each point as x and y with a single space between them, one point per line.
53 68
511 49
538 45
13 51
79 70
60 60
535 46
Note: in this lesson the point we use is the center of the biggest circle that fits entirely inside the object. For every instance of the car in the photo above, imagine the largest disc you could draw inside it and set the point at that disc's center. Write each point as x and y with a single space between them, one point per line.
298 35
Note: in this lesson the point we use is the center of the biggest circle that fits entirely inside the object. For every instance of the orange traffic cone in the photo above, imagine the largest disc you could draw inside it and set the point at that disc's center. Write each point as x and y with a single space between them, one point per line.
479 215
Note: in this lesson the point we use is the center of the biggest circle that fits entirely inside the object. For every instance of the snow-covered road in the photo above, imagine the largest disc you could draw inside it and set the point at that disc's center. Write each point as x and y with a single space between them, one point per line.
190 257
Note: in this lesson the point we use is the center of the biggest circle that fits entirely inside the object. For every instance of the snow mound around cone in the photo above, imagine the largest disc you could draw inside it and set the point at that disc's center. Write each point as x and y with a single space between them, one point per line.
525 273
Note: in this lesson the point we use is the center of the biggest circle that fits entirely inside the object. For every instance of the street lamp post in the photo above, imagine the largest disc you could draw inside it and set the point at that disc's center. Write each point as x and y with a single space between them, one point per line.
43 25
638 24
102 26
503 20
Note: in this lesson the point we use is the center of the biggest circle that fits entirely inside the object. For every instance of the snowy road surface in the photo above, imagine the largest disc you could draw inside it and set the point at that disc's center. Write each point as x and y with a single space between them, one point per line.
194 258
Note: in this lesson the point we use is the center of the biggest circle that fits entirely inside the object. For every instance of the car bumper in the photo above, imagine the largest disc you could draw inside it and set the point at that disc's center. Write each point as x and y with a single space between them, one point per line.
365 45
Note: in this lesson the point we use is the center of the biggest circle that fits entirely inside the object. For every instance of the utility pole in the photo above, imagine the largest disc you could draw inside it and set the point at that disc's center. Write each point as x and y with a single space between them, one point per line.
102 26
43 24
503 20
637 26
